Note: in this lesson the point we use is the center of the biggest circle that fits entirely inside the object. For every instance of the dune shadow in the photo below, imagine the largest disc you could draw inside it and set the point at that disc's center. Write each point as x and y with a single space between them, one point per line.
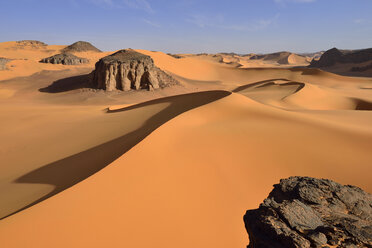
299 85
362 105
68 84
71 170
251 85
307 70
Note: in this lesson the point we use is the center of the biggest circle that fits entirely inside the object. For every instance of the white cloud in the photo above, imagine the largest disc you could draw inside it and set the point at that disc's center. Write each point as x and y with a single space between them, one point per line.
151 23
134 4
139 4
203 21
295 1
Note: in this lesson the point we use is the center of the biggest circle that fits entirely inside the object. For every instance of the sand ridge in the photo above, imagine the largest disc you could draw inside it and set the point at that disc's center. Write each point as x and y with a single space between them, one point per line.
174 167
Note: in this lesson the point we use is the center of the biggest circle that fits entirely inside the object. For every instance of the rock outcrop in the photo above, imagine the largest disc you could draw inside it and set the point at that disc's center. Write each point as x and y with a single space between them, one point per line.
65 59
307 212
80 46
128 69
3 62
334 56
35 44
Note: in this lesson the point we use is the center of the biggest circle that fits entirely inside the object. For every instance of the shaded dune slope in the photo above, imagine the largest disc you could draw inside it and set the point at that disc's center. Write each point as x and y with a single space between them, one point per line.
71 170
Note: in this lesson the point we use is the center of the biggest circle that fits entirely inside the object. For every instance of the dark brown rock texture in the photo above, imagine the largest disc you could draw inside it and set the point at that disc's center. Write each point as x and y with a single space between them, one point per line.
128 69
307 212
65 59
80 46
334 56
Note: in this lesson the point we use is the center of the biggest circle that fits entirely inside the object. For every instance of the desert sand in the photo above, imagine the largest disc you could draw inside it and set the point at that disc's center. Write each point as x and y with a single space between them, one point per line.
177 166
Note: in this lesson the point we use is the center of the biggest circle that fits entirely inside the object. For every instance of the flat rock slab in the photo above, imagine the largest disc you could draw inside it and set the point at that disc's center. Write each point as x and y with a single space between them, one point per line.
65 59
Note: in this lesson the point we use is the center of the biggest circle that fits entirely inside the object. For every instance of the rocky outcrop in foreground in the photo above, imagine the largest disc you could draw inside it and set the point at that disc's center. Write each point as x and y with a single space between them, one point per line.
3 62
80 46
307 212
65 59
128 69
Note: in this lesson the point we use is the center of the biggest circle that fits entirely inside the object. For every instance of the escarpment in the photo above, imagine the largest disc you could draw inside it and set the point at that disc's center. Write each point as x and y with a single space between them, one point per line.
126 70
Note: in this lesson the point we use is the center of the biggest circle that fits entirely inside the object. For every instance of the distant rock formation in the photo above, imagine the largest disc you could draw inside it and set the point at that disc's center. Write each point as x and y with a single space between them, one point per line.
362 68
3 62
334 56
65 59
31 44
282 58
80 46
307 212
128 69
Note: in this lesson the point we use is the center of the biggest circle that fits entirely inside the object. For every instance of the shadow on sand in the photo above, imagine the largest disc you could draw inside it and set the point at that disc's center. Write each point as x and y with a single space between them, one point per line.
71 170
251 85
362 105
68 84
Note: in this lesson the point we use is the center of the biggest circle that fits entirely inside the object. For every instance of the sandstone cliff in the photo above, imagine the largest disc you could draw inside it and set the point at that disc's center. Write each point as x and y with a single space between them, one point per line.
128 69
307 212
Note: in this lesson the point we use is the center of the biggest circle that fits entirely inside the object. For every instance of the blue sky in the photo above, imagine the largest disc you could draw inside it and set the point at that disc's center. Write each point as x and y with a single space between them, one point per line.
177 26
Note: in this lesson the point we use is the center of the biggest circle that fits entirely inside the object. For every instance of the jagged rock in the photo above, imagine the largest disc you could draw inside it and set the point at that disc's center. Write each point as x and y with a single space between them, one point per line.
3 62
128 69
65 59
307 212
334 55
80 46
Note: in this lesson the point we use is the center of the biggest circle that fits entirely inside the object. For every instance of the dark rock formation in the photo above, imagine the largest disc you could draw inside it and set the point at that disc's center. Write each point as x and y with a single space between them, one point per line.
65 59
31 43
306 212
362 68
3 62
128 69
334 55
176 56
80 46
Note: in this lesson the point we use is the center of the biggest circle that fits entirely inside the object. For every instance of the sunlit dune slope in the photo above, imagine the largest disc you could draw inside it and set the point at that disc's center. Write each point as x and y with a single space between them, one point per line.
192 188
90 168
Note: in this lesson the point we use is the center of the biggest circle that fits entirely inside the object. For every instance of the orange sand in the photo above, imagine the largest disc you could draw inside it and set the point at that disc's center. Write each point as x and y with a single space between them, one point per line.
123 171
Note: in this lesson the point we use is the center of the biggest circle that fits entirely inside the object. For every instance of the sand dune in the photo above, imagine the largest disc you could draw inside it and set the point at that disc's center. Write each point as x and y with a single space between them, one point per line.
25 58
172 167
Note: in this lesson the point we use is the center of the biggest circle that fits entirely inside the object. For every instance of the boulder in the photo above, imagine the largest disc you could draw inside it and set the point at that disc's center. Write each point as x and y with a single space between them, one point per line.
80 46
307 212
128 69
65 59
